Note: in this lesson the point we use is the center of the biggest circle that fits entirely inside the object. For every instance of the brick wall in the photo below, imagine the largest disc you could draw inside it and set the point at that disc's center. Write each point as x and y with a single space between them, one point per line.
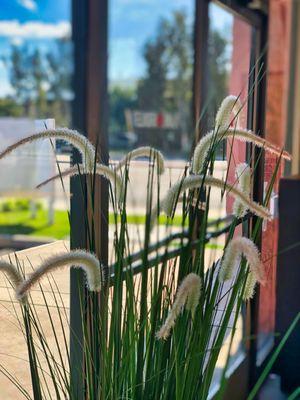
277 84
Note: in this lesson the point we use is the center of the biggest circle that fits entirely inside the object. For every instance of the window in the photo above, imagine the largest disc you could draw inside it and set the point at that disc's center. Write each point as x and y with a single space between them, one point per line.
35 73
36 93
150 76
143 113
228 70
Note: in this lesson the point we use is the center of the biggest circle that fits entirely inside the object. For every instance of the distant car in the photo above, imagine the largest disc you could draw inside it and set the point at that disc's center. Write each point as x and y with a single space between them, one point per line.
122 141
63 147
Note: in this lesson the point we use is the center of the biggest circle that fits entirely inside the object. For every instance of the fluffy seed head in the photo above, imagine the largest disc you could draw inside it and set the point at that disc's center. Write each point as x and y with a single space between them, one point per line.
102 170
187 296
12 273
196 181
145 151
250 286
80 142
243 175
76 258
230 105
238 247
204 145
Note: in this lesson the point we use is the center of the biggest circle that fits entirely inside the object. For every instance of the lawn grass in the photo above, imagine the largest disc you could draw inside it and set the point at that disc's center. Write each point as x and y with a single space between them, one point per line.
21 223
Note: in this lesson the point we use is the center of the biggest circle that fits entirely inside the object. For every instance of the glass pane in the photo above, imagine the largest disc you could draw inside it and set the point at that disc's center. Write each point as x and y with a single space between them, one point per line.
150 91
229 48
228 73
35 94
35 80
150 76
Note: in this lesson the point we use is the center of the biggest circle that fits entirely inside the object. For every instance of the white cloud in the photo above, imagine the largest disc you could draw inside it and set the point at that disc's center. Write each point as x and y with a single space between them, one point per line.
6 88
34 29
17 41
29 4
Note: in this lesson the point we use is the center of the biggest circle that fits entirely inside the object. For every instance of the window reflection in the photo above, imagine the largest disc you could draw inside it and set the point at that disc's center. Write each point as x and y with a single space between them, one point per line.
228 70
150 76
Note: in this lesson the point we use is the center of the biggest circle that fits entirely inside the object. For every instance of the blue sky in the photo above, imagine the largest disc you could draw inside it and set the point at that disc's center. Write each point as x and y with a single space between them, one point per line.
34 22
131 23
50 11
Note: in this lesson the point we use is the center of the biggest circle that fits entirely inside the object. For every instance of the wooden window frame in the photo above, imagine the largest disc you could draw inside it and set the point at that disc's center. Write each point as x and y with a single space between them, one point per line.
246 372
90 117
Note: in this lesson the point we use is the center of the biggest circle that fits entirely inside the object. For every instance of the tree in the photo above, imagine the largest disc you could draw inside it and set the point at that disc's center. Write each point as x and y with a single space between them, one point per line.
60 69
120 99
28 78
18 74
9 108
42 81
167 84
151 89
168 58
38 78
180 63
217 73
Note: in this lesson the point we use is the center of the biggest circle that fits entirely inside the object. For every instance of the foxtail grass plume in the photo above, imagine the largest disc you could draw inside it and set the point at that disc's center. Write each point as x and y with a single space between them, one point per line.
212 138
238 247
11 272
80 142
13 275
230 105
99 169
250 286
187 296
76 258
145 151
243 175
196 181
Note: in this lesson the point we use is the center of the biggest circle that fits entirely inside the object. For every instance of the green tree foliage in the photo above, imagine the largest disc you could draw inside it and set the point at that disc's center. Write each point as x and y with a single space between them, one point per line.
60 68
151 89
217 73
41 82
180 71
168 58
27 76
18 74
9 107
167 85
120 99
38 82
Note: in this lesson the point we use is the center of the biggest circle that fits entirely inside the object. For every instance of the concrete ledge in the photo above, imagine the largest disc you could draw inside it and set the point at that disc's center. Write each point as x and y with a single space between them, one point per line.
20 242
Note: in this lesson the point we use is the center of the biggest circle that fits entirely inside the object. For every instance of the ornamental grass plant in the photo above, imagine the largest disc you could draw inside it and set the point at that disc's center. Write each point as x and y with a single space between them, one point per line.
155 320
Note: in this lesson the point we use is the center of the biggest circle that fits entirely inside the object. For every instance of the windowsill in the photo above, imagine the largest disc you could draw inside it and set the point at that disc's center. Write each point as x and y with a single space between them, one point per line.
264 350
234 365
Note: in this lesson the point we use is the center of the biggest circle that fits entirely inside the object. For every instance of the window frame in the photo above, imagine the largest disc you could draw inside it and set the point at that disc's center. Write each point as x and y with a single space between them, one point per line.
90 117
246 372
